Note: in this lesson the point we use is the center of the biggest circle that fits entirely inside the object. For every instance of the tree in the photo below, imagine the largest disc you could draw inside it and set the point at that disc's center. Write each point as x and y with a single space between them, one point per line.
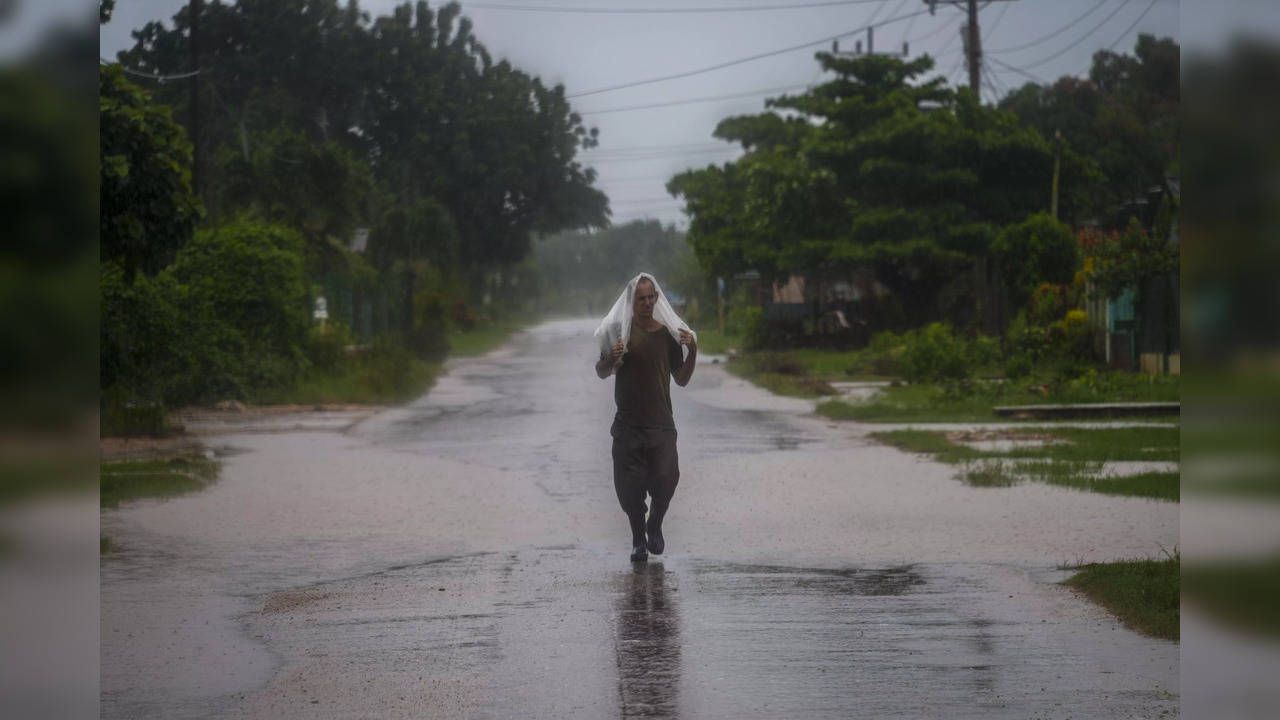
1038 250
877 170
148 210
412 94
1120 125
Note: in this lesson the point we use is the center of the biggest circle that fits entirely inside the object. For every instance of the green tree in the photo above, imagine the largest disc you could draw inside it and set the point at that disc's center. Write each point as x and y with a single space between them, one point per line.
1037 250
245 286
879 170
413 95
1121 127
148 210
1132 258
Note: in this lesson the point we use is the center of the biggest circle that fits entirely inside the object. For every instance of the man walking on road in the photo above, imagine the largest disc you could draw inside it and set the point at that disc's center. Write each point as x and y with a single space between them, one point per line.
640 340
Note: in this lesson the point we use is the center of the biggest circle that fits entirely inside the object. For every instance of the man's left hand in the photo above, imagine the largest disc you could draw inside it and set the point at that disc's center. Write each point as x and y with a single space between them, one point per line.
686 338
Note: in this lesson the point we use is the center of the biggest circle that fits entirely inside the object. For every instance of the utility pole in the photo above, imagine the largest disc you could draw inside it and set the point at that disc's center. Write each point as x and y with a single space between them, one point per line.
973 50
194 47
1057 160
971 35
857 47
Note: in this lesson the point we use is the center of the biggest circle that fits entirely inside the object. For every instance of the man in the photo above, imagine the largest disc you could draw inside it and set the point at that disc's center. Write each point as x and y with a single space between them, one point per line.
646 355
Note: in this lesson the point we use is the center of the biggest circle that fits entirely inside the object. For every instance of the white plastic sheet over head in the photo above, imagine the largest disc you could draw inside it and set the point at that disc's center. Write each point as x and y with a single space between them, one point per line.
617 324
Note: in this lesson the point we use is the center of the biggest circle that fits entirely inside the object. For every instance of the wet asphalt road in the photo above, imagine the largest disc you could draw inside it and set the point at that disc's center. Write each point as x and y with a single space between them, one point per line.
464 557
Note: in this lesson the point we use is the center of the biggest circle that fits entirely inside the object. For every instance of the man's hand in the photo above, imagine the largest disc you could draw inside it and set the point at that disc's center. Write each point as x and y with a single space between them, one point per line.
607 361
686 370
686 338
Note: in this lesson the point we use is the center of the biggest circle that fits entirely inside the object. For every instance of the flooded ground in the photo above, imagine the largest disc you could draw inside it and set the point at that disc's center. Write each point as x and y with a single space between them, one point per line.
464 556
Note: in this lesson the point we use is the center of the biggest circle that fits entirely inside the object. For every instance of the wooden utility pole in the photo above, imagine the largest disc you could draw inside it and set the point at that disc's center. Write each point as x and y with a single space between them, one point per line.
973 50
1057 161
194 48
971 35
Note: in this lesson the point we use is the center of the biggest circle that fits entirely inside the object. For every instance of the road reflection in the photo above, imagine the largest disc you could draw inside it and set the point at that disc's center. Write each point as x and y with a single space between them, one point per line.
648 642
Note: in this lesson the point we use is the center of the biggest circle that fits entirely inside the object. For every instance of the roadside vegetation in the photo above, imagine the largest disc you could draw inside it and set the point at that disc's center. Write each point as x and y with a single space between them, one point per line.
128 480
1142 594
1057 455
1066 456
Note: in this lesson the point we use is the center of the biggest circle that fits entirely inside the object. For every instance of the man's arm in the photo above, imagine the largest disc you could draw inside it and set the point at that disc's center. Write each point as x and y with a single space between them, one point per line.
686 370
607 360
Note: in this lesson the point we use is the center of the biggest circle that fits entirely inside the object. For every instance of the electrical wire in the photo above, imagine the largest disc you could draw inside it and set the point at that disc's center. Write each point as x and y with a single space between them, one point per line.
150 76
1019 71
659 11
690 101
1132 25
739 61
1053 34
1004 9
1081 39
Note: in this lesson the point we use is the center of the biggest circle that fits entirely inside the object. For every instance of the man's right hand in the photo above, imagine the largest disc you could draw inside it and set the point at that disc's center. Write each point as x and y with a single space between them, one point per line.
616 352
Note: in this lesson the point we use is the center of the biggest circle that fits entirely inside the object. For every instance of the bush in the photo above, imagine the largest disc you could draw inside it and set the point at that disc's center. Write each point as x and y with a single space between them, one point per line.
387 368
248 296
780 363
327 347
934 353
1017 367
1034 251
1025 339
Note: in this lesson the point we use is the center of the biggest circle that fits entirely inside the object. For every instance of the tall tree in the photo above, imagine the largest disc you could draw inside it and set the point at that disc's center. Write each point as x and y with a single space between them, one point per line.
412 94
1121 126
148 210
879 169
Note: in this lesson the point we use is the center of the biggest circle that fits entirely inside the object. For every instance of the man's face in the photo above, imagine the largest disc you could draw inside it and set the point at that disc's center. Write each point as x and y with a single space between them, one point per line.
646 298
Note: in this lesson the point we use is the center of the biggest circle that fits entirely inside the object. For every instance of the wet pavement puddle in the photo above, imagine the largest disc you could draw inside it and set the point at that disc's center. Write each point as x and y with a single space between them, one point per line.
570 632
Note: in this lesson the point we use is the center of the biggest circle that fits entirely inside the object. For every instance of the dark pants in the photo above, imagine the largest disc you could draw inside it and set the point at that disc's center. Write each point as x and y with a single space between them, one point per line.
644 461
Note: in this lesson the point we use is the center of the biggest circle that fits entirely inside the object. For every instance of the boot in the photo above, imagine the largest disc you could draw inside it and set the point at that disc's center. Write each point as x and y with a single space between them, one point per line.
655 543
638 552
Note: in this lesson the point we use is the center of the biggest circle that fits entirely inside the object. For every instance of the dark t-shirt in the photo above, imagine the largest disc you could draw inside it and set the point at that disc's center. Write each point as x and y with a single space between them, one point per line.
642 389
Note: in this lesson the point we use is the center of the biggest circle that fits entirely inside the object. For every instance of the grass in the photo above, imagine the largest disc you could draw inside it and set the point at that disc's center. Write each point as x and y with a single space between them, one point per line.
975 401
1143 594
1239 593
714 342
780 373
480 340
1071 458
126 481
361 383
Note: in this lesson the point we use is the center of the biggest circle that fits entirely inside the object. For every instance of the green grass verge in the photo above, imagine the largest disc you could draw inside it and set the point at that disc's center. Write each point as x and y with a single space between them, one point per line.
480 340
125 481
1143 594
975 402
713 342
366 384
1241 593
1071 458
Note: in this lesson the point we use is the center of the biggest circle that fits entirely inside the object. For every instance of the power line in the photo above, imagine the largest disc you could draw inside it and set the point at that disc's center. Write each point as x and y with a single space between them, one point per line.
676 146
1053 34
1004 9
659 11
657 156
151 76
1020 71
1132 26
690 101
739 61
945 25
1081 39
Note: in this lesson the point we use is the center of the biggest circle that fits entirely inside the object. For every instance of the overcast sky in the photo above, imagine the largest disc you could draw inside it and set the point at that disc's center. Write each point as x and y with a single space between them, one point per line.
650 131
